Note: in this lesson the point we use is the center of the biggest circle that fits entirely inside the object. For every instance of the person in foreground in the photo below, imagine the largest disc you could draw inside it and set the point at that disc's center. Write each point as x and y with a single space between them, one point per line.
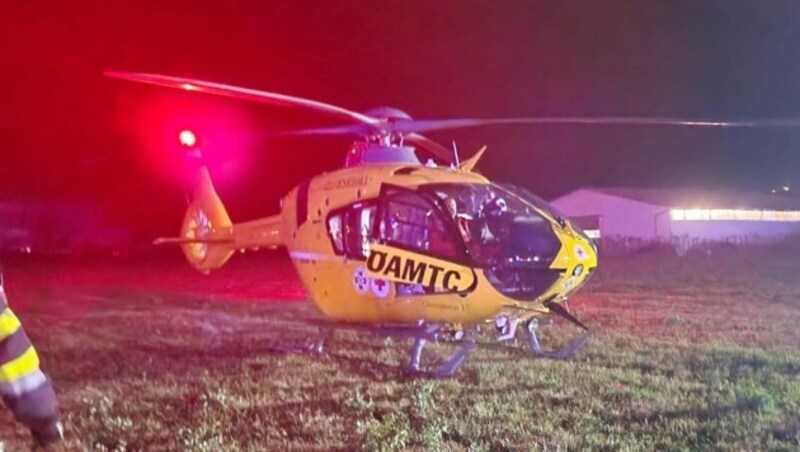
25 389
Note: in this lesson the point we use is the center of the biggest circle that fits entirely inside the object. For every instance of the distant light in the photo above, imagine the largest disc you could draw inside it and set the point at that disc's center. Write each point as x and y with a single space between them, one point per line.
734 215
189 87
774 191
187 138
785 188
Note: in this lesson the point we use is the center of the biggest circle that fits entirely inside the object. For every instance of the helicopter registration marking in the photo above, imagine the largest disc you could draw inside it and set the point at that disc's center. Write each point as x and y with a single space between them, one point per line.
348 182
393 264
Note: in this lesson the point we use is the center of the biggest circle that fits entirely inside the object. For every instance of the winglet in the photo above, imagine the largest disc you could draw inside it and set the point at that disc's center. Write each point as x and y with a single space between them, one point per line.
469 164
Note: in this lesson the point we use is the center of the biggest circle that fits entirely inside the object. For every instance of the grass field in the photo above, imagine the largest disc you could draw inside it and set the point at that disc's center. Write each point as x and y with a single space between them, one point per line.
694 353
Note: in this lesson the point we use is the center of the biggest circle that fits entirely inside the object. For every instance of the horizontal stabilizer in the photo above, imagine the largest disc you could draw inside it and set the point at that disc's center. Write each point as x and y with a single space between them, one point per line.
189 240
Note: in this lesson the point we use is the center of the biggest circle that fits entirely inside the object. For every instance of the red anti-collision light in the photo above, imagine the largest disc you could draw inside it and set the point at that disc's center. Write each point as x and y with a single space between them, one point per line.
187 138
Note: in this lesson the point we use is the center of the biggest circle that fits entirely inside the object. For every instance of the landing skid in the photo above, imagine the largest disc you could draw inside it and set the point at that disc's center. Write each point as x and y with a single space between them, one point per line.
465 339
565 352
446 370
507 330
451 366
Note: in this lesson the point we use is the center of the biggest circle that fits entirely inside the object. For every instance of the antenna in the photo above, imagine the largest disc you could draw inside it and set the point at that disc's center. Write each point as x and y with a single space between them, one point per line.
456 160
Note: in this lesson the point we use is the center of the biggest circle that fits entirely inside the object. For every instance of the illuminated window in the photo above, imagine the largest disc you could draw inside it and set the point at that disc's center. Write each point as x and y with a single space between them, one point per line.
349 229
335 230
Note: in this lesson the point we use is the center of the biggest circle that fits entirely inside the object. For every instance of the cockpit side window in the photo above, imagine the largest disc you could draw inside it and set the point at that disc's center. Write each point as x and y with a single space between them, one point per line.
498 226
508 233
335 232
536 201
408 219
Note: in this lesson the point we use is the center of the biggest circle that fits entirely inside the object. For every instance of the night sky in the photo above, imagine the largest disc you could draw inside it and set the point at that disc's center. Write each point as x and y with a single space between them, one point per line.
69 132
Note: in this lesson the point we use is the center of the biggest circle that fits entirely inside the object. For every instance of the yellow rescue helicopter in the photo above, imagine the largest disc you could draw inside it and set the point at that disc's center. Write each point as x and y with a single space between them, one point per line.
389 242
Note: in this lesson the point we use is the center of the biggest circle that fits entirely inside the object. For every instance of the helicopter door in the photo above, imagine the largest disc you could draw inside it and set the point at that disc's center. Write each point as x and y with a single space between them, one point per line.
413 221
416 245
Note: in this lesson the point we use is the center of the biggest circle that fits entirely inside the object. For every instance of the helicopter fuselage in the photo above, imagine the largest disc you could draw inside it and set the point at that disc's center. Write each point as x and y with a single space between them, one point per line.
380 244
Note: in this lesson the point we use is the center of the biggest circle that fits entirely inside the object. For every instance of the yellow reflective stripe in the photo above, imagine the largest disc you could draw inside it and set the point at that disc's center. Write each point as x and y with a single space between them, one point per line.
23 365
9 323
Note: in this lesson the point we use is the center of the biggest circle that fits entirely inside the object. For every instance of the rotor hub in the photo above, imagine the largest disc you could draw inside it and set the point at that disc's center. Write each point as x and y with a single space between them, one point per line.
387 114
375 153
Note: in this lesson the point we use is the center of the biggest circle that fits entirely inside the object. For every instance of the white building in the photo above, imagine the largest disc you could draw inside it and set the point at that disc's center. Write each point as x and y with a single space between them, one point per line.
682 214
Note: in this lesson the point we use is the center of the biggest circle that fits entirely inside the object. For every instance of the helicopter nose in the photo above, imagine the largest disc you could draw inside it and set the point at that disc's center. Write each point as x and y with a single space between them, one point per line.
580 259
584 251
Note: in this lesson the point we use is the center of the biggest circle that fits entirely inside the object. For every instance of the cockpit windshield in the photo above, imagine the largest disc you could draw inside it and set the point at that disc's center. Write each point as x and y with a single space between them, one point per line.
538 202
498 226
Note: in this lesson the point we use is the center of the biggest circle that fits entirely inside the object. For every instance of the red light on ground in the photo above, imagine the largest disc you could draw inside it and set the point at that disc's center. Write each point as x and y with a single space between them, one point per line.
187 138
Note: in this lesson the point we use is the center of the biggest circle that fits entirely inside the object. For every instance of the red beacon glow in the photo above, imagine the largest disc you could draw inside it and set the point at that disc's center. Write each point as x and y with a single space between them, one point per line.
187 138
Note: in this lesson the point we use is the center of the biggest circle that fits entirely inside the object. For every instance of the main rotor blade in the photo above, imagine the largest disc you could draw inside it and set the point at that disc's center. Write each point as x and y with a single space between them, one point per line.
268 97
406 126
237 92
361 130
429 125
431 146
358 130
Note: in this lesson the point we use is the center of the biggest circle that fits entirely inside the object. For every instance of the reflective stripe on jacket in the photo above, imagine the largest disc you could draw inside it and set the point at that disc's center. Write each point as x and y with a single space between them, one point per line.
25 389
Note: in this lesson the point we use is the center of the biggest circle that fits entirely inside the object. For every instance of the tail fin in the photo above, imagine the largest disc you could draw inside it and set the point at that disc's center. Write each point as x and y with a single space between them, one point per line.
469 164
207 231
208 236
